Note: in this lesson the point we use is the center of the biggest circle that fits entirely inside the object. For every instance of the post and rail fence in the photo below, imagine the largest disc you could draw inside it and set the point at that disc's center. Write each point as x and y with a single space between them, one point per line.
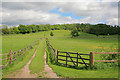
92 60
12 56
78 56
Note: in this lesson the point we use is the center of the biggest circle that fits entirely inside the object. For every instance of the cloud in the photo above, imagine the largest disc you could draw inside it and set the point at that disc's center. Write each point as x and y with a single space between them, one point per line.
97 11
15 13
60 0
15 17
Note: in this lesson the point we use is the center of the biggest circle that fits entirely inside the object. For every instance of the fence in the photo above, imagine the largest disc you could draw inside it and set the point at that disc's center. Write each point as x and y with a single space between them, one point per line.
67 55
92 60
12 56
78 56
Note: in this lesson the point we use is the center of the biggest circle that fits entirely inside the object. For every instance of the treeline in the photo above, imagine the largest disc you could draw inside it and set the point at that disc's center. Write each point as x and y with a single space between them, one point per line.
98 29
23 29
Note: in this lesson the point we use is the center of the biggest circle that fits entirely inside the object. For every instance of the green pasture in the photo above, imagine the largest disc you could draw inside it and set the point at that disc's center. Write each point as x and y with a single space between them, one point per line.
17 41
84 43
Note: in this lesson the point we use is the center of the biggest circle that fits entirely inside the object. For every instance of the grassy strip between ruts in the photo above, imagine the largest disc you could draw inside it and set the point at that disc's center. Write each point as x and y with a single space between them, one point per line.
20 62
37 64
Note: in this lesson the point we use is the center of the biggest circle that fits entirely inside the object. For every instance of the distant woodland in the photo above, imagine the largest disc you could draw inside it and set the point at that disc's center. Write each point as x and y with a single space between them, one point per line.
97 29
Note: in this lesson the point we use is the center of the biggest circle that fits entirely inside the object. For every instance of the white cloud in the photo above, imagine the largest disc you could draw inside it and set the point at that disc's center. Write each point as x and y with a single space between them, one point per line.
60 0
14 17
15 13
98 11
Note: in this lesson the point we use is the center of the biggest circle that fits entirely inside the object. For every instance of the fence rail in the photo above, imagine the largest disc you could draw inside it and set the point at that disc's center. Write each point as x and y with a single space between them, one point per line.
73 53
106 61
4 54
92 57
75 63
12 56
106 52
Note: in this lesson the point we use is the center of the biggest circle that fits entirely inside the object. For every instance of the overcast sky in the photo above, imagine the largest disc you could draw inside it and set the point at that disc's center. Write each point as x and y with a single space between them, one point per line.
15 13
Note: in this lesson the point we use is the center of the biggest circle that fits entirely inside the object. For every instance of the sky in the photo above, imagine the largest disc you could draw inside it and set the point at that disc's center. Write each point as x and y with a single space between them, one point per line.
25 12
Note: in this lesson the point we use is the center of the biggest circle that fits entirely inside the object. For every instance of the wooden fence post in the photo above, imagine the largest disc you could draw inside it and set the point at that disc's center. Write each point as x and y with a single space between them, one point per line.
57 56
66 59
56 51
77 59
18 53
91 60
10 56
14 55
22 51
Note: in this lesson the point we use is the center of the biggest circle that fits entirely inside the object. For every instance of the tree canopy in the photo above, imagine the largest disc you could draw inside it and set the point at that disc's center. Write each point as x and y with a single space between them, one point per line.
97 29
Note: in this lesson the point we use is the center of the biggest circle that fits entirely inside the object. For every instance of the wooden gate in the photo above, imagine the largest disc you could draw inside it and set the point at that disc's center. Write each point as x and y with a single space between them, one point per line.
68 56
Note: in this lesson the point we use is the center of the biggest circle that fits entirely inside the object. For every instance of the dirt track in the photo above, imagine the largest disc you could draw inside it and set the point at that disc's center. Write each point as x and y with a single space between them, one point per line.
24 72
48 70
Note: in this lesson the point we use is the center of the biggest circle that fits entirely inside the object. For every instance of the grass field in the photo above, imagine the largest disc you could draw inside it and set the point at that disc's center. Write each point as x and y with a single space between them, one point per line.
16 42
62 41
85 43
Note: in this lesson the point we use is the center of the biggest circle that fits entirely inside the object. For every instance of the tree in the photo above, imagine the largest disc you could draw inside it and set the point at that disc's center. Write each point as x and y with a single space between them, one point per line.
23 29
34 28
74 33
5 29
47 27
16 30
11 30
51 34
38 27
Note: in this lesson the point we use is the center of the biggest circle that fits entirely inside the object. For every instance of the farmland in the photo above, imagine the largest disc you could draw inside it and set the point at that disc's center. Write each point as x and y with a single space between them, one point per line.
84 43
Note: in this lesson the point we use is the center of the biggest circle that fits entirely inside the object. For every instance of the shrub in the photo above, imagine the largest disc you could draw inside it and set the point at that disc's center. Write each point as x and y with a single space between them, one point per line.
74 33
51 34
51 54
109 57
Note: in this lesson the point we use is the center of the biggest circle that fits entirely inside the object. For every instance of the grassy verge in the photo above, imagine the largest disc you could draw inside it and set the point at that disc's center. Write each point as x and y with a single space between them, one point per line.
37 64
